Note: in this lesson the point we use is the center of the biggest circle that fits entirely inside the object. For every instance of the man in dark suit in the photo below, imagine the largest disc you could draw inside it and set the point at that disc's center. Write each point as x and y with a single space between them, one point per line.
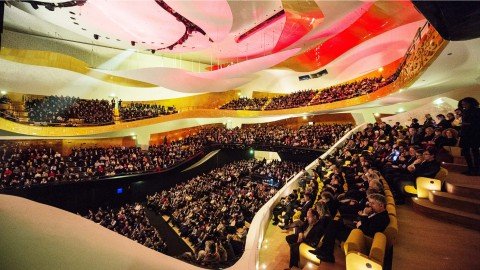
373 219
307 205
310 234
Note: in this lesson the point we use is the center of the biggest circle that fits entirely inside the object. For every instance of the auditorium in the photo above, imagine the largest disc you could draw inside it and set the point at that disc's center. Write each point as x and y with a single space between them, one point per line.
239 134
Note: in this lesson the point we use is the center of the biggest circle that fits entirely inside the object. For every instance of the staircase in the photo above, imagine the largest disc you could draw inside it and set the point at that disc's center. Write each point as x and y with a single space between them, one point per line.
458 202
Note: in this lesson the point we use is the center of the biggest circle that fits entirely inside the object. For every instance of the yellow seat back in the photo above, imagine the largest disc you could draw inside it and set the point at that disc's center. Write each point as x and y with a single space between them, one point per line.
391 231
425 184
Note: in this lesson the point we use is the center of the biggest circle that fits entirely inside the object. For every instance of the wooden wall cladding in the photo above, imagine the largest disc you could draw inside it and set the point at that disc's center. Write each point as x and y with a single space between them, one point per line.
65 146
159 138
295 122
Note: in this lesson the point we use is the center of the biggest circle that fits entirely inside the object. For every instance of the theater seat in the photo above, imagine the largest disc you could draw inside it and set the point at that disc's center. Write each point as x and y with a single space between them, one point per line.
425 184
362 252
306 257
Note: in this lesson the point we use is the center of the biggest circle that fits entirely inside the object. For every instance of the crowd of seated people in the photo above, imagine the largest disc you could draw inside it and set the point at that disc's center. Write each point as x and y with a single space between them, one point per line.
213 210
293 100
320 136
4 111
25 167
243 103
57 110
313 97
135 111
131 221
351 90
349 183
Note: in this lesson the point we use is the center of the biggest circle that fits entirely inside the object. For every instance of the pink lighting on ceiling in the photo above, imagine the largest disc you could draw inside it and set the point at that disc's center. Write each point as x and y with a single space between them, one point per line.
132 21
213 16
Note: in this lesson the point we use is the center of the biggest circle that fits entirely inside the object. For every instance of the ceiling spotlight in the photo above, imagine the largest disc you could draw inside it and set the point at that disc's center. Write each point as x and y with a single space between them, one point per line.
380 69
95 36
153 51
3 92
133 43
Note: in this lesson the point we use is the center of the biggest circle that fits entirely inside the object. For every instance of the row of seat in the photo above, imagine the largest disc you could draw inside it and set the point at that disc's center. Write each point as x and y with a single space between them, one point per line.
363 252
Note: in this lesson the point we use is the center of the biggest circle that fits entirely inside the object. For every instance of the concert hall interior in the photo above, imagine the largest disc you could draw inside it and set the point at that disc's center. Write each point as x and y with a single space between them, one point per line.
239 134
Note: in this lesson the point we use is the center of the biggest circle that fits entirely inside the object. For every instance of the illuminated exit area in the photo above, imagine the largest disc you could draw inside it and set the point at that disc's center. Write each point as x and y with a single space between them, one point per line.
268 155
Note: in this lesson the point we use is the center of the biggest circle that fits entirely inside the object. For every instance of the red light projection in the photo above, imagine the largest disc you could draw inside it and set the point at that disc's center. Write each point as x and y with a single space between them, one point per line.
302 17
381 17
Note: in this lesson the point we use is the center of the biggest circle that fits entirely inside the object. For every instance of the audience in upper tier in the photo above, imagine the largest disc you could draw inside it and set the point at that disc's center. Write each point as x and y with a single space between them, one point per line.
130 221
313 97
54 110
253 104
136 111
214 210
293 100
24 167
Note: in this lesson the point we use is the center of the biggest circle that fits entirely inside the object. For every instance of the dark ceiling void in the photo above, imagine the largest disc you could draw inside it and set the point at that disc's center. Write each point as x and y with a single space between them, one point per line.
454 20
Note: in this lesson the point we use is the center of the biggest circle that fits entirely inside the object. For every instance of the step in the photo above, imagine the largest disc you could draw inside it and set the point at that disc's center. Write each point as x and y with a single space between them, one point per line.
446 214
454 201
458 178
454 167
464 190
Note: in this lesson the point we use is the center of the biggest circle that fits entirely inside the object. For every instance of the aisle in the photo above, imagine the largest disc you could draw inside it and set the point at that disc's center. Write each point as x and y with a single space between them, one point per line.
176 246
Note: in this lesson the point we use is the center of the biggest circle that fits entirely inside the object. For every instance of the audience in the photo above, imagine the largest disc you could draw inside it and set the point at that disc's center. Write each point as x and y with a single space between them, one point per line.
313 97
132 222
54 110
254 104
219 205
22 168
136 111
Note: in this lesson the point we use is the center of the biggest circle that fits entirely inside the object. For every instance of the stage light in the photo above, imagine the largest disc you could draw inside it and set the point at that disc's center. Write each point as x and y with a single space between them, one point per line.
3 92
34 5
380 69
95 36
153 51
133 43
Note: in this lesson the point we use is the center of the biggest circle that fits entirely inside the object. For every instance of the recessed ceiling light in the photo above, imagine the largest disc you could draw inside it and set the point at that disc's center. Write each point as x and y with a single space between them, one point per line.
73 18
71 12
75 23
84 29
449 53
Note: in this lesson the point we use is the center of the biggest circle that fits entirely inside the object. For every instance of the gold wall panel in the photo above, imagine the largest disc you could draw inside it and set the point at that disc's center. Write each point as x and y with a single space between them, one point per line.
62 61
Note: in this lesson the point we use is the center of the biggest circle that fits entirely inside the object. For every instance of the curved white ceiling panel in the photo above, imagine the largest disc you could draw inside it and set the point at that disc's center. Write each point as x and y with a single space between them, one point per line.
38 80
212 81
140 21
250 66
213 16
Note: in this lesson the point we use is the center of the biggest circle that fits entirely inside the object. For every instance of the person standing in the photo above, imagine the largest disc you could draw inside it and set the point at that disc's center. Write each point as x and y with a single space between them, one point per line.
470 134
